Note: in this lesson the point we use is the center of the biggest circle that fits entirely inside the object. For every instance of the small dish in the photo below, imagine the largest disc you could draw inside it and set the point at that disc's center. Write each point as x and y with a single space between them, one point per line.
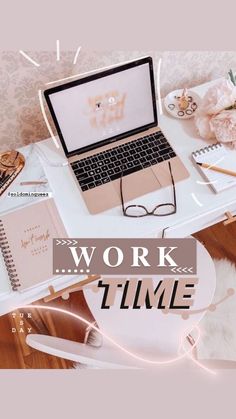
190 103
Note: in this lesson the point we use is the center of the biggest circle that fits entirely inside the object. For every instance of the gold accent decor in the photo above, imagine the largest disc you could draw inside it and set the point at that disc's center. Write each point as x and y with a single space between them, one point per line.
11 164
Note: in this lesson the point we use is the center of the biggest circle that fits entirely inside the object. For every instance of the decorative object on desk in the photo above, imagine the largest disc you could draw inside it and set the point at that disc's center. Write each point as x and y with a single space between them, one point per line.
24 194
26 237
182 103
216 155
11 164
216 115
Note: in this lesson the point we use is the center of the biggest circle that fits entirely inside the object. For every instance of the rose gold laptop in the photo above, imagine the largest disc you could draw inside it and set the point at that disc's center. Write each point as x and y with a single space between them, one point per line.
107 124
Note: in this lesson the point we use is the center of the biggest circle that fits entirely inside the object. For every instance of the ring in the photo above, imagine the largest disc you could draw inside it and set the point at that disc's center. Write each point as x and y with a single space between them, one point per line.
189 111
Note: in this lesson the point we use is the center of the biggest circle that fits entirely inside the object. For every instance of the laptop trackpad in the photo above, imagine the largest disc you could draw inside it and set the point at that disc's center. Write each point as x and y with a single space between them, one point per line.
138 184
162 171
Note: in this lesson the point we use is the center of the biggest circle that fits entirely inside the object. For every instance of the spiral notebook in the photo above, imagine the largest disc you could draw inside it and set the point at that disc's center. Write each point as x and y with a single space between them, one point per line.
26 243
217 155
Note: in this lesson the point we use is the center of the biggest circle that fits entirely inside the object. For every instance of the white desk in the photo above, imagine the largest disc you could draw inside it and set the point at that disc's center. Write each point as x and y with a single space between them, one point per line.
190 216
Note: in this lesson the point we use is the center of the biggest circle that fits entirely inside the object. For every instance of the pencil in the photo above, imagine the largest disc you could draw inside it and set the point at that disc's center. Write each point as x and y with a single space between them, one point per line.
33 182
217 169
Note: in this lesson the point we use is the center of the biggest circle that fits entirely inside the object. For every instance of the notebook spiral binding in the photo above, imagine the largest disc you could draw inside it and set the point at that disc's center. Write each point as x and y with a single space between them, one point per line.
207 149
8 260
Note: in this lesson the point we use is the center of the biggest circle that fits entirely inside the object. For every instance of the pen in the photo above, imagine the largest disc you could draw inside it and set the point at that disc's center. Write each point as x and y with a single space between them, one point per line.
217 169
33 182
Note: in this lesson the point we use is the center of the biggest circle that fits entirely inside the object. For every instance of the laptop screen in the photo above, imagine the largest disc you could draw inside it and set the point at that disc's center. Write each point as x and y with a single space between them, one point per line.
92 112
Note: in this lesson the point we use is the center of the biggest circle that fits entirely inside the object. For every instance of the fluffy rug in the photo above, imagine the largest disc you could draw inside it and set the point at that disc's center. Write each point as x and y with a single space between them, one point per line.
218 327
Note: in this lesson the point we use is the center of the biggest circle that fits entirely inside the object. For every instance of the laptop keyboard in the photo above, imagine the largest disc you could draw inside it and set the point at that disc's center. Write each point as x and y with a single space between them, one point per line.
123 160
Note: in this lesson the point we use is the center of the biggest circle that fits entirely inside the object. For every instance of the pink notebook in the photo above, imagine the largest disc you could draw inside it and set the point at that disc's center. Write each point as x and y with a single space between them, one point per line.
26 243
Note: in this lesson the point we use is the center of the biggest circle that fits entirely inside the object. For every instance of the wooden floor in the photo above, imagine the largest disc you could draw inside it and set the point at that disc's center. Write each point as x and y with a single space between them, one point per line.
220 241
14 353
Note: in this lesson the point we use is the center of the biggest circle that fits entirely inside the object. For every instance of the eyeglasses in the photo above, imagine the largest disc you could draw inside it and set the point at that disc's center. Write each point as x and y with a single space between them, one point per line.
160 210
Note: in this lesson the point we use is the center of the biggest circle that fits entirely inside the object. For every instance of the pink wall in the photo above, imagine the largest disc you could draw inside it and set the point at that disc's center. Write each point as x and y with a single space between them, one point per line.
21 120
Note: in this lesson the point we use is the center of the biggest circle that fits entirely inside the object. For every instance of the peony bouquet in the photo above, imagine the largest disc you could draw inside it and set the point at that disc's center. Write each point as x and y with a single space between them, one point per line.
216 115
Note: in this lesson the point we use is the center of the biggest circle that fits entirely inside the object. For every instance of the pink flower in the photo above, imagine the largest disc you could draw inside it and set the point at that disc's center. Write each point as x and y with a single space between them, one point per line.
207 118
202 122
220 96
224 126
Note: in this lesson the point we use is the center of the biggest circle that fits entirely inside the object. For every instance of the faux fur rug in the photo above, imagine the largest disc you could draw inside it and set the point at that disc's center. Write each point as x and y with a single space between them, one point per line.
218 328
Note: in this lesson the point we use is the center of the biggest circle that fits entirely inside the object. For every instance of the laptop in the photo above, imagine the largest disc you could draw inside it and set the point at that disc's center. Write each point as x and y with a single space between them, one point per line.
108 126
